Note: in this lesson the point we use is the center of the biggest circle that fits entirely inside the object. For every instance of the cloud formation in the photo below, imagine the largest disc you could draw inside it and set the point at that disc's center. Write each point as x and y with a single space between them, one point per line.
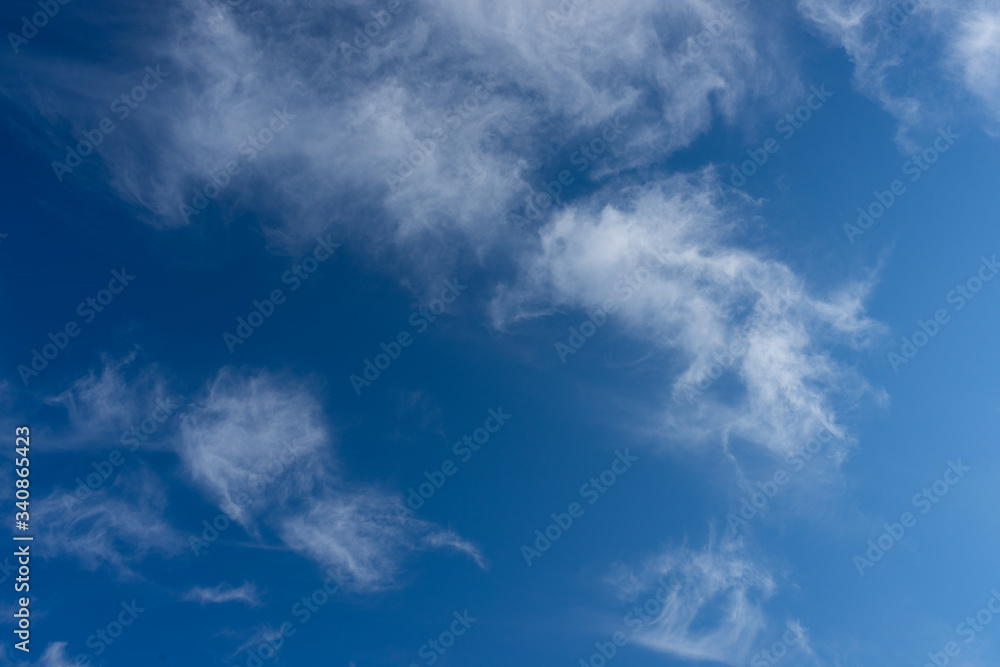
117 526
663 258
953 44
114 398
713 608
258 444
246 593
473 91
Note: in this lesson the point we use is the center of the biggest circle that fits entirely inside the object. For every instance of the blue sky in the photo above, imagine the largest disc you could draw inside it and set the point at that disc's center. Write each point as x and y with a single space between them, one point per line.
541 333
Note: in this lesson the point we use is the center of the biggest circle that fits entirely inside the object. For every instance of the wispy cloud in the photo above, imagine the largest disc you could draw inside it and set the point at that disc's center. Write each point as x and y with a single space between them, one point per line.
118 526
713 608
54 655
975 52
953 44
691 290
247 425
246 593
233 447
109 400
447 538
357 118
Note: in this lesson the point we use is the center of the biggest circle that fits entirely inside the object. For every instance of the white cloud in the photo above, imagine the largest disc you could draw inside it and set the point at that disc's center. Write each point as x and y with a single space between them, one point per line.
104 403
713 602
696 298
953 45
447 538
253 434
363 536
55 656
118 525
976 52
232 445
354 121
246 593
